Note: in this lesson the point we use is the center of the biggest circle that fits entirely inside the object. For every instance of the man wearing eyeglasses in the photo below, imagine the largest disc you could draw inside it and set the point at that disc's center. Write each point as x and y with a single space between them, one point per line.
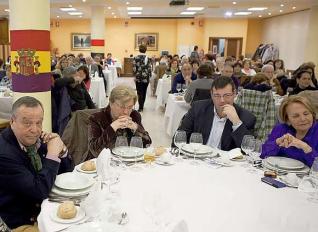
221 123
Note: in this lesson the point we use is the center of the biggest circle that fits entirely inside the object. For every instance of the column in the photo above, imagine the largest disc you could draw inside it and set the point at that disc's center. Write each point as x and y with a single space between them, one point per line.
30 52
311 52
97 31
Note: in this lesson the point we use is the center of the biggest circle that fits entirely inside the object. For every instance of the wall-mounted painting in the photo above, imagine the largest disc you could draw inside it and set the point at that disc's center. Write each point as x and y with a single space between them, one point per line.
81 41
149 39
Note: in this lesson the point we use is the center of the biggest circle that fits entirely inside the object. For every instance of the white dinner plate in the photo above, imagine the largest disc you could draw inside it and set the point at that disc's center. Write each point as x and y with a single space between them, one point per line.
73 181
267 165
128 152
70 193
80 215
285 163
202 149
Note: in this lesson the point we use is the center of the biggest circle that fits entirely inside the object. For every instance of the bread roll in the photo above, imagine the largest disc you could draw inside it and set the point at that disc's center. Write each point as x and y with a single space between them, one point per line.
159 150
272 174
66 210
88 166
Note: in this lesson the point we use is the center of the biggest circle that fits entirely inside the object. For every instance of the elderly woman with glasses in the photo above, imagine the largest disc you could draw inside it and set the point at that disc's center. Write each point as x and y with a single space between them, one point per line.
119 118
296 137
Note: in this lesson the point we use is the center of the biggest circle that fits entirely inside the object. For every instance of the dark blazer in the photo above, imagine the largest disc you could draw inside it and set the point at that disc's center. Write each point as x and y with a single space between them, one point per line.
178 79
200 119
101 134
22 189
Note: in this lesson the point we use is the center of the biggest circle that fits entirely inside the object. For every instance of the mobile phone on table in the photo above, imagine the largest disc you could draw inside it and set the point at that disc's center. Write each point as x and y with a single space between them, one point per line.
273 182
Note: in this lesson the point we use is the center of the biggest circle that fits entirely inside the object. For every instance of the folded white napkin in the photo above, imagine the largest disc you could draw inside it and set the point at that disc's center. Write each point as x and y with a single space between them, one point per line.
102 163
236 152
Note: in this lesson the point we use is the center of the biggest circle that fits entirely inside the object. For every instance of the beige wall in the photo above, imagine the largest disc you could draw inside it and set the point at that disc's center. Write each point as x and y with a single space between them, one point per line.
254 36
120 36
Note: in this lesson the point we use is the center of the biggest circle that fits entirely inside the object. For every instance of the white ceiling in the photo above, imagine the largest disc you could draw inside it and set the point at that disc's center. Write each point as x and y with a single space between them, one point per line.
161 8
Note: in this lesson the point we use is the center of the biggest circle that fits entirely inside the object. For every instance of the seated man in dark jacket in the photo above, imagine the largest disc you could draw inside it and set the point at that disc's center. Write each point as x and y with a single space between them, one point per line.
73 81
30 159
221 123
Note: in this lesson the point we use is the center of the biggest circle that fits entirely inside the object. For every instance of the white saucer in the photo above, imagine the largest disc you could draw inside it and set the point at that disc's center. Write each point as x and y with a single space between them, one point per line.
80 215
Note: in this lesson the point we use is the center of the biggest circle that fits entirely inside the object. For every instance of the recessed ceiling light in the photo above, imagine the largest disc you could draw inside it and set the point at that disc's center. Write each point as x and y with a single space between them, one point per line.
109 8
75 13
269 13
83 0
134 8
127 3
7 10
115 16
80 16
57 16
67 9
195 8
113 13
187 13
234 3
134 13
281 5
260 16
280 11
257 8
228 14
243 13
70 5
294 7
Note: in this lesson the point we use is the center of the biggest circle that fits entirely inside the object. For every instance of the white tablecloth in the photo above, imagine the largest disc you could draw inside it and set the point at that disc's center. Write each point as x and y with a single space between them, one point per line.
5 106
97 92
163 87
208 199
175 110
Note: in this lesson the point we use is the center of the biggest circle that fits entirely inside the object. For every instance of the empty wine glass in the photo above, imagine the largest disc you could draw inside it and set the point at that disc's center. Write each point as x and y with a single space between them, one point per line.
180 139
179 87
196 141
247 144
135 143
313 175
121 142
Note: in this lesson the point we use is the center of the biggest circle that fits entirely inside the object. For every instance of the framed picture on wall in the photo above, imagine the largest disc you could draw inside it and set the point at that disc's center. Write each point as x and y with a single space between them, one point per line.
149 39
80 41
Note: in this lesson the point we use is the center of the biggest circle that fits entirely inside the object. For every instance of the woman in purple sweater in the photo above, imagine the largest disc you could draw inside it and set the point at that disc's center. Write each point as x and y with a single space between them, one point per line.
297 137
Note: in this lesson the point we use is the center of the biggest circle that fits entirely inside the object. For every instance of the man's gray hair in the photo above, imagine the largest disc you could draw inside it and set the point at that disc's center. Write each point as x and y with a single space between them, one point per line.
26 101
267 66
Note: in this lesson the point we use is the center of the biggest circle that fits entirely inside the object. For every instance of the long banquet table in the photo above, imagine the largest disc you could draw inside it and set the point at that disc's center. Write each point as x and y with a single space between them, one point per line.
207 199
97 92
163 87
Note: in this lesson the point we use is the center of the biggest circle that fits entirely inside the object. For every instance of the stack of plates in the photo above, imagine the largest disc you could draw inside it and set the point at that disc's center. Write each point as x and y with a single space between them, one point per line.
72 185
285 165
203 151
128 154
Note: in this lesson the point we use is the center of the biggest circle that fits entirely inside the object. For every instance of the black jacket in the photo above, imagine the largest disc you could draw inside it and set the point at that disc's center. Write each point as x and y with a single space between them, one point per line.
22 189
200 119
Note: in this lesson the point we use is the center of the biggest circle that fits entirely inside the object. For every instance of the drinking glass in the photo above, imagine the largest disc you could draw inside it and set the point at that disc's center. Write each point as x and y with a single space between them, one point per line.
180 139
196 140
121 141
136 142
179 87
149 155
247 144
313 175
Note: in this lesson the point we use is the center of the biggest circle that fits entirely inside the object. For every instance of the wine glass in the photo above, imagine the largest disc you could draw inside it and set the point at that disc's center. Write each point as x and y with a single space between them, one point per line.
179 87
247 144
135 143
196 140
121 141
313 175
255 153
149 155
180 139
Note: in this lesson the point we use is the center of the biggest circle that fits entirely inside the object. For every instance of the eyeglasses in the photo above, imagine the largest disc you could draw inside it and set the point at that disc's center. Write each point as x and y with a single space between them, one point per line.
125 107
226 96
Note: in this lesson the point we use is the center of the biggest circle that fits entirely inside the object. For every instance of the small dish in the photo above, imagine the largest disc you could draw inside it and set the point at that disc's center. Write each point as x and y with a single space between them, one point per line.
80 215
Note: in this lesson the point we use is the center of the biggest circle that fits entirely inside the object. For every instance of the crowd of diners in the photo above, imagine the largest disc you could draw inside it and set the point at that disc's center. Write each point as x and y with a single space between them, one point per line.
30 158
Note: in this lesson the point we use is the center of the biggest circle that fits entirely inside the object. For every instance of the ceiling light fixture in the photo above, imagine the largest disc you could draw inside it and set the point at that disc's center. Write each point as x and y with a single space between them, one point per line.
234 3
113 13
228 14
109 8
243 13
83 0
134 8
80 16
75 13
257 8
57 16
294 7
269 13
188 13
6 10
195 8
260 16
280 11
127 3
70 5
67 9
281 5
134 13
115 17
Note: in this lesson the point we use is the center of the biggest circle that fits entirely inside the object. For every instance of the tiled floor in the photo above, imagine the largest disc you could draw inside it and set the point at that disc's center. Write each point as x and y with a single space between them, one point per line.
152 119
